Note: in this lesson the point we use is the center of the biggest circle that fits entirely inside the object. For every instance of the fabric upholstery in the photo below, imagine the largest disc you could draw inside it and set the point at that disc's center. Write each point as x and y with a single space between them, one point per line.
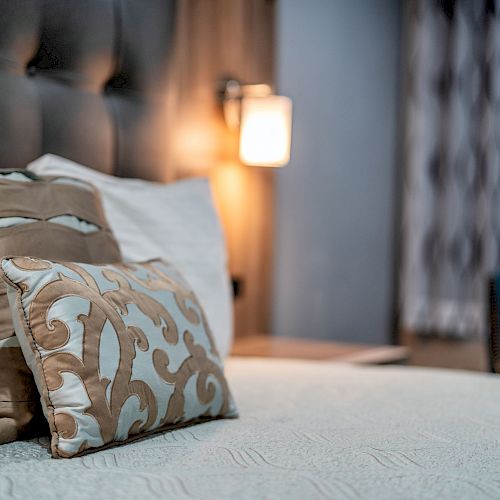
86 79
31 206
117 350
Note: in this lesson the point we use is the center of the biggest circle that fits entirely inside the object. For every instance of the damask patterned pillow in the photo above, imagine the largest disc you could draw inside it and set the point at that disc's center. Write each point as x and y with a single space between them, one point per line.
117 351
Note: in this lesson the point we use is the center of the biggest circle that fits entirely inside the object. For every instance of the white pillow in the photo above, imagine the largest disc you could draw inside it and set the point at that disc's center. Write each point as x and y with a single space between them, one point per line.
177 222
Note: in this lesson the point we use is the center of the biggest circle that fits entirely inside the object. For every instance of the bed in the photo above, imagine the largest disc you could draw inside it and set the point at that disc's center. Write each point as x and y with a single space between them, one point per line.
86 79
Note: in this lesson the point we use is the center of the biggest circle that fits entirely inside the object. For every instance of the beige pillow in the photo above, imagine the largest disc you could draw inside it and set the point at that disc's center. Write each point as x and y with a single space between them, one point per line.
54 218
117 351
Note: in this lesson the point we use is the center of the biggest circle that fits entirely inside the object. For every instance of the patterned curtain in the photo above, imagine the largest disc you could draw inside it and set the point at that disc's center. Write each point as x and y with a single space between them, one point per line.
451 195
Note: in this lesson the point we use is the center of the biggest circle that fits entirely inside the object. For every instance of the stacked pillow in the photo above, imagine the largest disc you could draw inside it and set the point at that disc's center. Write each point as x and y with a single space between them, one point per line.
117 350
177 222
54 218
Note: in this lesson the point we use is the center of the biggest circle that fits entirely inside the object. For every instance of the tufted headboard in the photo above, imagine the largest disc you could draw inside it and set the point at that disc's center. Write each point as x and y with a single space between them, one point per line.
88 80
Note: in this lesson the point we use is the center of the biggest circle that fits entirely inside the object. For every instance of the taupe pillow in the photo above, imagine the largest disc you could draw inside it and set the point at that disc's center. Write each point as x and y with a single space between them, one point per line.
53 218
117 351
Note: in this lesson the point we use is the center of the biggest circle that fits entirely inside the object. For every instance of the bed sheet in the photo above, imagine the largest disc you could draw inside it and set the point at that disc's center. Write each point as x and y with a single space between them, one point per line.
307 430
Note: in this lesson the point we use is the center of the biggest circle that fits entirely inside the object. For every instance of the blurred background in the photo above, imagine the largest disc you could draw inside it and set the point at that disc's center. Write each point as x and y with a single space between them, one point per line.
384 226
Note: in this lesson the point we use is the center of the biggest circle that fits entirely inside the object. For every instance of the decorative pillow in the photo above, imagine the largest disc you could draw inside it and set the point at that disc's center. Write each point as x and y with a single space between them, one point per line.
117 351
53 218
177 222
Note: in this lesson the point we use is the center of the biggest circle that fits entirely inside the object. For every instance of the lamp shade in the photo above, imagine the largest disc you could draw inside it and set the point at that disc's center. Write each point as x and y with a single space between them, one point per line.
265 134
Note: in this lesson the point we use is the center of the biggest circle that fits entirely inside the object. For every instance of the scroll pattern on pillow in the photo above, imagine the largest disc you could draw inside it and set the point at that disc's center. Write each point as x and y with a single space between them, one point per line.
117 350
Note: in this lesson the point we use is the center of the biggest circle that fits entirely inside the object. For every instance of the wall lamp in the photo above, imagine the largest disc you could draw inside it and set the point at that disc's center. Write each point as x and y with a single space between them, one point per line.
264 121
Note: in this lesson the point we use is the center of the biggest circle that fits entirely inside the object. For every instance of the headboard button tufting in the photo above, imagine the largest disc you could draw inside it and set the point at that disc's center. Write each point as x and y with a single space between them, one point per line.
91 71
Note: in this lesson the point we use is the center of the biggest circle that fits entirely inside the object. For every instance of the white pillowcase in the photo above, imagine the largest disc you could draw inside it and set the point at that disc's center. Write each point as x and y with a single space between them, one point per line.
177 222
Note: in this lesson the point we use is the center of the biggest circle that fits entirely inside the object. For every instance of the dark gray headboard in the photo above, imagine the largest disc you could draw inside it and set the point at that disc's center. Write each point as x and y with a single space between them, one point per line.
85 79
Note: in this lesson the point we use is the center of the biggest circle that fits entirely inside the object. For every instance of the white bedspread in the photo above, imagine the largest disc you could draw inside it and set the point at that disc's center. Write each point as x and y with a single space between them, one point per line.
307 430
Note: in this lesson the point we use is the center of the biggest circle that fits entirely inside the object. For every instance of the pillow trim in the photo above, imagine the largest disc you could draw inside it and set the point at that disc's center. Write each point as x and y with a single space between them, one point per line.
144 435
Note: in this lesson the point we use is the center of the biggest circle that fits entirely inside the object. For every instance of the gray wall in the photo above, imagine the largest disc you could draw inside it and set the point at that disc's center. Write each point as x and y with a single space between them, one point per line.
339 62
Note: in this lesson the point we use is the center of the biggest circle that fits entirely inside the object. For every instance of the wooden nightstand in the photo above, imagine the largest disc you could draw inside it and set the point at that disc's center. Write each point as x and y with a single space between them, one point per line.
286 347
